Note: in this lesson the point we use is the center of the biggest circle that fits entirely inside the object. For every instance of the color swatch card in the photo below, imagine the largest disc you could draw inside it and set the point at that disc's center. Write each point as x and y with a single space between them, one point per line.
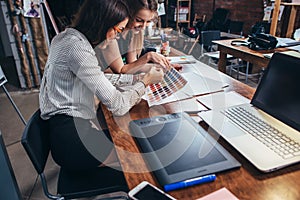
172 82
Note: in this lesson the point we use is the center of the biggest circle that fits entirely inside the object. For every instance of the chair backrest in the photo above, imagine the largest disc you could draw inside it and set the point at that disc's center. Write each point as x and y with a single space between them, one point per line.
198 18
219 20
236 27
36 141
207 37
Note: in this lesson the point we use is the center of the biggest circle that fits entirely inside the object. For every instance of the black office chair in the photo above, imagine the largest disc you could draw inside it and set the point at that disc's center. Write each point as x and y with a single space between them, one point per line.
236 27
207 46
71 184
206 38
219 20
209 49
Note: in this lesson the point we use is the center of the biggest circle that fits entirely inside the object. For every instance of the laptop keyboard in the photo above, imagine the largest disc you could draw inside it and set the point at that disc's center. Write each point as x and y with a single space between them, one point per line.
268 135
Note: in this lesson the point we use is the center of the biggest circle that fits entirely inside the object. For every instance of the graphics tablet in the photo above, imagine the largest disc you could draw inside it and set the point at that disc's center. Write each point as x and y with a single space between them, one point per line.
176 148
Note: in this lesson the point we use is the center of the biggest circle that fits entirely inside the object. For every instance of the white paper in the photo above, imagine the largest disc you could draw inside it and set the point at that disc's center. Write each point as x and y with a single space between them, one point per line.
221 100
179 95
221 194
198 84
283 42
296 48
161 9
181 59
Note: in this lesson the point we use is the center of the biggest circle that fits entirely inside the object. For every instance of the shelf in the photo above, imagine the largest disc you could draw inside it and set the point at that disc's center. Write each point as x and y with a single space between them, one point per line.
291 19
183 21
183 4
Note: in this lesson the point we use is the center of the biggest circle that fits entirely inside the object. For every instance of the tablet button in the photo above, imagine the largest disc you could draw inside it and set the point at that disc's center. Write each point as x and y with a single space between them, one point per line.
161 119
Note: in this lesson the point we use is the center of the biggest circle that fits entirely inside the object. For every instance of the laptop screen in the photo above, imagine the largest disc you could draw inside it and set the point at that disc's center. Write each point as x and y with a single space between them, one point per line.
278 93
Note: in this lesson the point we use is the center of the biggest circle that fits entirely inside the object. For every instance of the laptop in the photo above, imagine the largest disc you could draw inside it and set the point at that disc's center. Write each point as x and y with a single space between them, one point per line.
268 133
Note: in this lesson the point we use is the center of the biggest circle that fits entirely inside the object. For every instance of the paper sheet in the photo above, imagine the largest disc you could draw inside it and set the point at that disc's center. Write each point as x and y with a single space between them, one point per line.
221 100
296 48
181 59
179 95
198 84
221 194
285 42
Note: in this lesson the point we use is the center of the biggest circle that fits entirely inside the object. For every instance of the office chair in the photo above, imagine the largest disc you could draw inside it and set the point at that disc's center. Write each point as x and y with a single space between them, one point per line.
71 184
206 38
219 20
236 27
207 46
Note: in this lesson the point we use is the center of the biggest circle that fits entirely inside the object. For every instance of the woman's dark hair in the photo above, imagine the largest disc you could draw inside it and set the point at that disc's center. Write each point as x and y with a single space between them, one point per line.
96 17
137 5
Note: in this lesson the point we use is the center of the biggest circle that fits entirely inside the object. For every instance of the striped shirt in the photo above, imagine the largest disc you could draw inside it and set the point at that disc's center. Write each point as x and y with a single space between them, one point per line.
73 76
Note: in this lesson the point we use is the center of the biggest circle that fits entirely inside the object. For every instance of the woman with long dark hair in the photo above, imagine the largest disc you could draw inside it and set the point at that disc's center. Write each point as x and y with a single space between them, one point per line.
73 77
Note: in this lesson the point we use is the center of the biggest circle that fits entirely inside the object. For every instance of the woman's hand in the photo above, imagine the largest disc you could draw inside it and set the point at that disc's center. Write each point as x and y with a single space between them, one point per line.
155 75
158 58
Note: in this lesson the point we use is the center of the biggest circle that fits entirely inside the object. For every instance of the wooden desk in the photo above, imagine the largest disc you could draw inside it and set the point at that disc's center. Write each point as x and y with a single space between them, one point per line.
246 183
243 52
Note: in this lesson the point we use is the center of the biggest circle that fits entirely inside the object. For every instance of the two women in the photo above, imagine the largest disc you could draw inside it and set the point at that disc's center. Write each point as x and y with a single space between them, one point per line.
130 43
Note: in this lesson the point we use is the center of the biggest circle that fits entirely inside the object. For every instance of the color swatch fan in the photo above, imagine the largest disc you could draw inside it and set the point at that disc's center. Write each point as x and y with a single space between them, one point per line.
171 83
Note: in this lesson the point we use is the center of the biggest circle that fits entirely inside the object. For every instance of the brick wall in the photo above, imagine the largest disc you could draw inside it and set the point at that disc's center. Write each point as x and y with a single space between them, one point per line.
248 11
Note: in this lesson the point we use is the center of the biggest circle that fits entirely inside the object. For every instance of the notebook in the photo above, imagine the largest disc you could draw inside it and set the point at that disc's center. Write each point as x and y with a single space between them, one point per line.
276 102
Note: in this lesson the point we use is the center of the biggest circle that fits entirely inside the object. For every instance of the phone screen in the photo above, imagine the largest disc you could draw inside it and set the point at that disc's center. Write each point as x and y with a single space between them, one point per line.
150 193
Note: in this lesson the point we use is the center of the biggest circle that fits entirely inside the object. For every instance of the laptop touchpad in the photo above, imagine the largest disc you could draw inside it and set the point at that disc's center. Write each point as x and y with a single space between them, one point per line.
229 130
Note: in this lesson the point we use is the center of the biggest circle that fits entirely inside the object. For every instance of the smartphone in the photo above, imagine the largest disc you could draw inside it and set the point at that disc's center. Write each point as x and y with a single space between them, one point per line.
147 191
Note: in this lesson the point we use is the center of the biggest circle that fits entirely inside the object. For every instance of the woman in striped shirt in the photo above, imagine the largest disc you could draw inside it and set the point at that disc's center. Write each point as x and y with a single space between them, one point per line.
73 76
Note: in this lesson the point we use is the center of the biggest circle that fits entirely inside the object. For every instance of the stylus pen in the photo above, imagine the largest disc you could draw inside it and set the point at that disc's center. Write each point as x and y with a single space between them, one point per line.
190 182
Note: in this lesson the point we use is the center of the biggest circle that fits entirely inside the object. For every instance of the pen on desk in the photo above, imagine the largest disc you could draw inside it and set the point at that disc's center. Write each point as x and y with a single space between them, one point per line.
190 182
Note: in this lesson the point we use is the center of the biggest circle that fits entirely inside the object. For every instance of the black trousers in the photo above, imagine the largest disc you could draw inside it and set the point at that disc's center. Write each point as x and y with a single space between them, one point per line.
76 145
